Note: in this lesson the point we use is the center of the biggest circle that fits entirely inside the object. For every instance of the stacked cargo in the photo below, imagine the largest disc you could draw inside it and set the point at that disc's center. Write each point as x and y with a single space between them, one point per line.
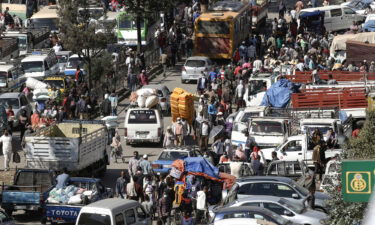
182 105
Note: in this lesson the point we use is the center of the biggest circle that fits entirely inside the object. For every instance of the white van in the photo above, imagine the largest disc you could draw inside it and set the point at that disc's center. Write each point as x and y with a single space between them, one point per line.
143 125
6 74
40 64
113 211
337 17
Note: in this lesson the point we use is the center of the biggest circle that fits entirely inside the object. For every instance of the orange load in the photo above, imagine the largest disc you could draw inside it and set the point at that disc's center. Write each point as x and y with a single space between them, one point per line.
182 105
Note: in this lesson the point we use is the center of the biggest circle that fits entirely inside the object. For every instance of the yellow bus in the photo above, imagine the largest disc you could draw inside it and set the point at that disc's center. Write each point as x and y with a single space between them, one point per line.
221 30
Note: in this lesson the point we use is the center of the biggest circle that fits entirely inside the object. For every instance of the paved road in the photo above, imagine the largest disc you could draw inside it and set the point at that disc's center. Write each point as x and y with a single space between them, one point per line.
171 81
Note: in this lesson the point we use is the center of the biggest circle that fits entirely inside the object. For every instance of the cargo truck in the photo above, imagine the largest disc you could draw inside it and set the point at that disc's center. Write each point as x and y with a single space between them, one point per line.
79 146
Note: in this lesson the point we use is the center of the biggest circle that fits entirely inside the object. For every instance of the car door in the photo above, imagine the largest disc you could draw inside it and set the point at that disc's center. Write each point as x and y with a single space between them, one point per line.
278 209
349 16
292 151
336 19
130 217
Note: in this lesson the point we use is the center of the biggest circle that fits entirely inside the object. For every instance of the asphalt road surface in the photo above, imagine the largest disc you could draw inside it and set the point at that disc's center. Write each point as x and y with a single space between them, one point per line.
172 80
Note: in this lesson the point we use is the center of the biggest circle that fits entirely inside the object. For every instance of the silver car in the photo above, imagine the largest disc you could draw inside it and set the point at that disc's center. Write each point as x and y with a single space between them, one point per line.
282 187
296 213
164 97
193 68
62 59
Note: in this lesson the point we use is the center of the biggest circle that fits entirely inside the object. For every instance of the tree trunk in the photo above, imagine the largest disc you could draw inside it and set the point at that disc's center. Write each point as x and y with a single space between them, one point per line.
89 69
139 35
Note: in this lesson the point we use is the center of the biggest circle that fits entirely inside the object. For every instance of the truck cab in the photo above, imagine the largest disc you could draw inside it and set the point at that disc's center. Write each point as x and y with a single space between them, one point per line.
299 148
240 124
29 190
257 86
269 131
6 74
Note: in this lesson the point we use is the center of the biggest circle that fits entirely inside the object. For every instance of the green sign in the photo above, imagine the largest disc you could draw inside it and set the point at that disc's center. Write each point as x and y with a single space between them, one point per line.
357 178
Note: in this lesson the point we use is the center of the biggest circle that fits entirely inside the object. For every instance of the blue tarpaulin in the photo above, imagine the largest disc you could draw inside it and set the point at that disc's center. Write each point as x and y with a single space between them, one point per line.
278 95
369 26
310 14
201 165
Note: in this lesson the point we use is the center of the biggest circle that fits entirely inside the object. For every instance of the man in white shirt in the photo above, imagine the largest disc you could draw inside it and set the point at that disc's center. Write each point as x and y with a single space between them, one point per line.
6 139
201 203
205 131
257 65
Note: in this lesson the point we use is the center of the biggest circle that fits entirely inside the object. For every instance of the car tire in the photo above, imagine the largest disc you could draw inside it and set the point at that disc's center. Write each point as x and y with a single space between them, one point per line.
183 81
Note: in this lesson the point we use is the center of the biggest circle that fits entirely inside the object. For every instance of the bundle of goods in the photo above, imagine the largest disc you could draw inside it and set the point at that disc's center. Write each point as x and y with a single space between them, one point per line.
145 97
35 84
69 195
182 105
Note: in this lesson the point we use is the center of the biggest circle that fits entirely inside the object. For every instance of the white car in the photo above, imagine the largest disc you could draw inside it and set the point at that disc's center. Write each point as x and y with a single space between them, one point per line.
242 221
193 68
292 211
359 6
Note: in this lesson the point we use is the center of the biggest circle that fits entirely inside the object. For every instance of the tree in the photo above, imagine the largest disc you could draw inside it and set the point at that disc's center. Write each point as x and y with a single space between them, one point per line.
145 9
78 33
363 147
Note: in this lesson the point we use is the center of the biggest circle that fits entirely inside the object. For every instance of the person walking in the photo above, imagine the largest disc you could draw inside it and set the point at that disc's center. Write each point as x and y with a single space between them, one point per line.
317 161
133 164
22 122
169 138
106 106
78 76
165 208
164 63
143 78
6 140
202 83
121 185
239 92
204 132
114 101
178 132
201 204
145 165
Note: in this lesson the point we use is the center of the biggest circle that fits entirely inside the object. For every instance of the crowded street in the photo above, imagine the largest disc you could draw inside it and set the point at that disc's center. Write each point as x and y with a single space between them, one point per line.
187 112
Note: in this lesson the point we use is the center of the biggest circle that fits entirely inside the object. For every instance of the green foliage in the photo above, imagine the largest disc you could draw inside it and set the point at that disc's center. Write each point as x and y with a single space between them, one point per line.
78 34
101 66
363 147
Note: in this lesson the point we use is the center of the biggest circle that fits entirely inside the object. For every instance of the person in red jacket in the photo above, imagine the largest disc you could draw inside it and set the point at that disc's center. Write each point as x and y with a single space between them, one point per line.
143 78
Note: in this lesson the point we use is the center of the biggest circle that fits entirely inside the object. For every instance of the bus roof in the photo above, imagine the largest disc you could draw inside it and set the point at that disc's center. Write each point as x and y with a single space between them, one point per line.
46 12
227 6
220 16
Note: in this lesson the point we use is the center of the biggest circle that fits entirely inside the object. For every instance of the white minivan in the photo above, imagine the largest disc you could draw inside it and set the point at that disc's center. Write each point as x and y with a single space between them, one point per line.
40 64
6 74
143 125
337 17
113 211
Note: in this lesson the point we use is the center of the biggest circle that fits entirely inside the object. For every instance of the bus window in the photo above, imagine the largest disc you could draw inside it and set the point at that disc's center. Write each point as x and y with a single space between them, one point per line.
125 24
213 27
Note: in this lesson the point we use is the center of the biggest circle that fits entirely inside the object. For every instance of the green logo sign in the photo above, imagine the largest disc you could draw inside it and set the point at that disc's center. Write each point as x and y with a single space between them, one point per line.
357 180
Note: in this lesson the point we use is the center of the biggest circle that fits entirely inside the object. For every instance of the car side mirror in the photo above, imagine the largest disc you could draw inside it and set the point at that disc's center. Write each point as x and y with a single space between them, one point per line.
288 213
295 196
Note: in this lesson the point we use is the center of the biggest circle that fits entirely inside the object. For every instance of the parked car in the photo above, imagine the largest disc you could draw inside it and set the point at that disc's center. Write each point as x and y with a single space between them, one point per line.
359 6
18 101
248 212
280 187
164 97
193 68
369 24
165 159
296 213
5 219
331 177
242 221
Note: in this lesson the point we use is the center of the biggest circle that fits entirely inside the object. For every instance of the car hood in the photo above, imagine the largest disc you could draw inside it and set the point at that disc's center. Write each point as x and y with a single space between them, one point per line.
314 214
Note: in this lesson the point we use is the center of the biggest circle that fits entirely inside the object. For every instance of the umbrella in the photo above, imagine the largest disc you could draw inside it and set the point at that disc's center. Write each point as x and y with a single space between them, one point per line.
216 130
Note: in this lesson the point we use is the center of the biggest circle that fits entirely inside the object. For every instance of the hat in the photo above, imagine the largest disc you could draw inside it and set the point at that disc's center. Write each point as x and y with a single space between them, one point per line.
143 71
178 118
219 113
145 156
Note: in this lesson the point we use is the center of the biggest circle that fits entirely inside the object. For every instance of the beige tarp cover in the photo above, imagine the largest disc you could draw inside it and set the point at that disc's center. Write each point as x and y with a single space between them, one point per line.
339 42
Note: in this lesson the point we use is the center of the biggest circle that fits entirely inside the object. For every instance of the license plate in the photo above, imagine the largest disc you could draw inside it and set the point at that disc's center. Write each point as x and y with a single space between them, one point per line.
143 135
20 207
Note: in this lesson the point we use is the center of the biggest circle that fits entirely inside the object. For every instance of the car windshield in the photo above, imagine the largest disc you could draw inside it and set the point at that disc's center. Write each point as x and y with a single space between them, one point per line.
55 83
213 27
61 58
358 5
3 76
173 155
322 128
195 63
266 127
22 42
294 207
91 218
30 67
276 217
10 102
51 23
74 62
246 116
142 117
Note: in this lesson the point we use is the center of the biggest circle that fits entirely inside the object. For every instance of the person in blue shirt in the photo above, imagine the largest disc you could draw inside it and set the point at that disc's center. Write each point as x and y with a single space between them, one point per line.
212 111
212 75
62 179
196 14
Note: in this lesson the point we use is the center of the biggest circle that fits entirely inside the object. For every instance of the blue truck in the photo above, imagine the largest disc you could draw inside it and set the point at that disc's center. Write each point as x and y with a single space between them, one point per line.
68 213
29 190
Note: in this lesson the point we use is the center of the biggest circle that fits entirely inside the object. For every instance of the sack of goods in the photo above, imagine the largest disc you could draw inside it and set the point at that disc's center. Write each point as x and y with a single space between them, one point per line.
69 195
147 97
182 105
35 84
